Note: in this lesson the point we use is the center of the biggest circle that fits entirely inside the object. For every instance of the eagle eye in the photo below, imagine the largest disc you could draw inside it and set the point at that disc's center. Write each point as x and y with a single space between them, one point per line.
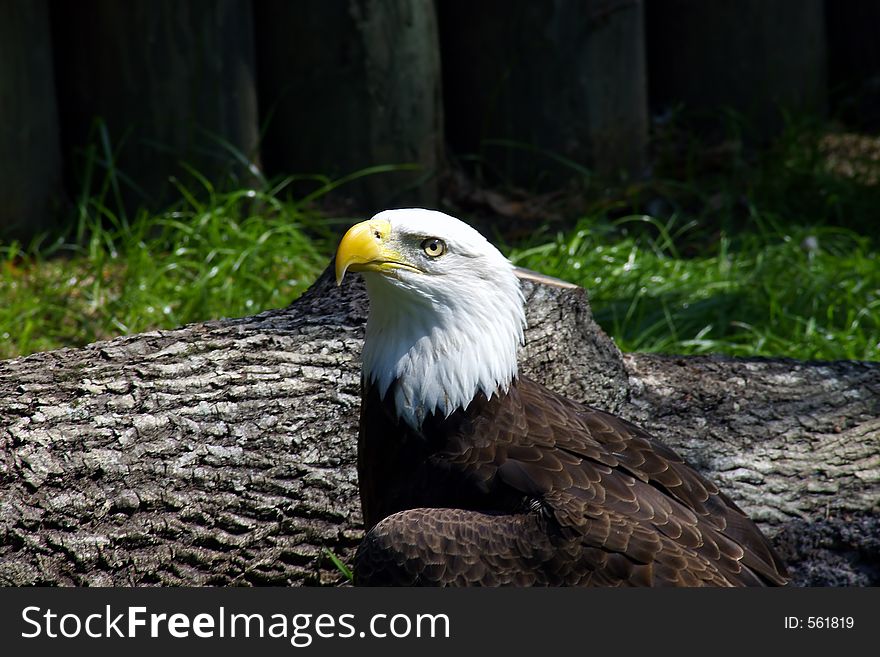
434 247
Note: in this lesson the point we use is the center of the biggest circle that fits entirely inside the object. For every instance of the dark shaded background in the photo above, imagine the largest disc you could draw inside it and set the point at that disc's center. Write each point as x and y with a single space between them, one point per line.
100 92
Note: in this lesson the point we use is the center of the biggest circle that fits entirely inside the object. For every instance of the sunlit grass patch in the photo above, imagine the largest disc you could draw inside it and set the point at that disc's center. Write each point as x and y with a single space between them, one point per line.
767 252
231 255
811 293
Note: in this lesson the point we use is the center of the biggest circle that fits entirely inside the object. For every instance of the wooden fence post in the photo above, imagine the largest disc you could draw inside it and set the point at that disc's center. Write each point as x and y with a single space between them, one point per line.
173 82
349 85
753 56
529 82
30 157
853 30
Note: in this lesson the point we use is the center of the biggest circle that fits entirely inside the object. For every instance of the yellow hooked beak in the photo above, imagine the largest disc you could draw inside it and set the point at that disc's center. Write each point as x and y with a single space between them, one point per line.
365 248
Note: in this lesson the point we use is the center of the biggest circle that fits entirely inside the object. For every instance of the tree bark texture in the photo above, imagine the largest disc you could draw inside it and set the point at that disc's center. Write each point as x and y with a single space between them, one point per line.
529 85
224 453
753 56
173 82
350 85
30 154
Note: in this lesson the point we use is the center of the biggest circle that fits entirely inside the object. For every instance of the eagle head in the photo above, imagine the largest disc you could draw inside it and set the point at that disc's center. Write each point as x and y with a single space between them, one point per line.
446 310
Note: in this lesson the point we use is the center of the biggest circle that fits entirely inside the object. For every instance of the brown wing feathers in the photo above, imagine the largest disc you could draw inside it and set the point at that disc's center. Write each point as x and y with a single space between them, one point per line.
548 492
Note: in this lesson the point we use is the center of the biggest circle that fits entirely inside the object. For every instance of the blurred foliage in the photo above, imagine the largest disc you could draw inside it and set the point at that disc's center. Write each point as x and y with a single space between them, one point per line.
733 249
724 248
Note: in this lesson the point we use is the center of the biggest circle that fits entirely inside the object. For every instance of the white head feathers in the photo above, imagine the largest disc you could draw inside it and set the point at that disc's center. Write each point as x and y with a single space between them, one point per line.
446 327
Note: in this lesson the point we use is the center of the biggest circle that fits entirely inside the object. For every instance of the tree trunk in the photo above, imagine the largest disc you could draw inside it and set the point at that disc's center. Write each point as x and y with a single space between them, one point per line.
753 56
30 155
224 453
531 85
173 82
350 85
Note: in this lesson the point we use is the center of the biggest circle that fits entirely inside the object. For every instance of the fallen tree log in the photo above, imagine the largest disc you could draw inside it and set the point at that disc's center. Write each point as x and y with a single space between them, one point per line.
223 453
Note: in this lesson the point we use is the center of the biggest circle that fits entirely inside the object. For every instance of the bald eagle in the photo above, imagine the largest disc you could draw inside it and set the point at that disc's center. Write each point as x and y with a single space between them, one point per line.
473 475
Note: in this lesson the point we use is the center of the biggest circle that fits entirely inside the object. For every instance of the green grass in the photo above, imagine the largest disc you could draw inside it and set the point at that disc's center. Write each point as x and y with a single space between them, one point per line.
750 253
340 565
212 254
232 254
810 293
